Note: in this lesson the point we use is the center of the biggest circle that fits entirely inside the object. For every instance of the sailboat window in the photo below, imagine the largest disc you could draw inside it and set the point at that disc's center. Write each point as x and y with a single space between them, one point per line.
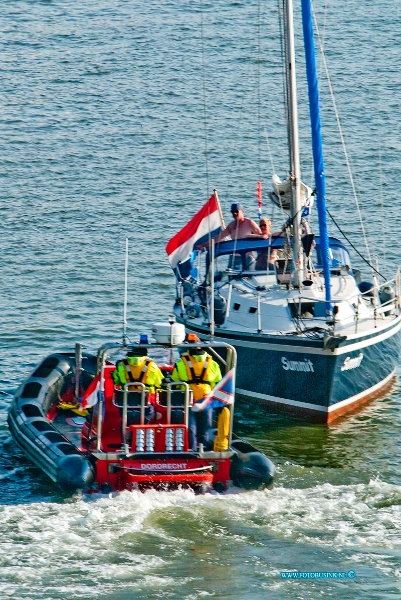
253 309
301 309
231 262
236 306
338 257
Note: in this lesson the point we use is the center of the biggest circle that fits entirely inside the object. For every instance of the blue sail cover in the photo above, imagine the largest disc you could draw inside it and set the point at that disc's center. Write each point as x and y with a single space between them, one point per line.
317 144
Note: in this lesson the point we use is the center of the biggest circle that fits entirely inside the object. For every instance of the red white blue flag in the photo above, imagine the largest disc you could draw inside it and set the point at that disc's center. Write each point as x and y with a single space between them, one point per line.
221 395
207 222
91 396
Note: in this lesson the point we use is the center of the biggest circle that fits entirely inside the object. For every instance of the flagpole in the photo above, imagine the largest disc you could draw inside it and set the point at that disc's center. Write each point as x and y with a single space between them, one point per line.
100 406
230 438
220 211
212 293
78 366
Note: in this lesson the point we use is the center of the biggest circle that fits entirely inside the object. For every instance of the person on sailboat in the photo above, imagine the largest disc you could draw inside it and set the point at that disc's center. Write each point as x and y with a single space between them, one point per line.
241 227
266 227
197 368
267 256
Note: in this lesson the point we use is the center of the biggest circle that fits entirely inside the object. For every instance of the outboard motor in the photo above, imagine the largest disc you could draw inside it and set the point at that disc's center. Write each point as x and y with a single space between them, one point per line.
387 294
252 470
75 473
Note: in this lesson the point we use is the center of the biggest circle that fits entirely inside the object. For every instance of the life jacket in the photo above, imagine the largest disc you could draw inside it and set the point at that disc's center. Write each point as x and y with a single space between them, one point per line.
137 373
197 375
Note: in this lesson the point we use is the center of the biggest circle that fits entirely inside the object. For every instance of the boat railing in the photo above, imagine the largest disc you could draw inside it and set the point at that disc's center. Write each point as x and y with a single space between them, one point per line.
182 388
381 307
133 389
137 389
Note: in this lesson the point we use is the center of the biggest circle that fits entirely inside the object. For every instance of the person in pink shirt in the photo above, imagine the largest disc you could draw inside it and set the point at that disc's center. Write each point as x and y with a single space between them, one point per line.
241 227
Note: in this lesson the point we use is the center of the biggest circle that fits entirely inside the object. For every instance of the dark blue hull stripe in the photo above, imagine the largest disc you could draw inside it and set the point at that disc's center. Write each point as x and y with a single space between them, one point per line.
308 376
322 409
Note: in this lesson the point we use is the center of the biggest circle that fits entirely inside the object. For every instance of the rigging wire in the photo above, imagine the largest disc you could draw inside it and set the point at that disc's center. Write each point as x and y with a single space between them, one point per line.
383 233
240 108
320 77
205 119
284 59
353 247
205 116
269 151
248 74
258 63
323 55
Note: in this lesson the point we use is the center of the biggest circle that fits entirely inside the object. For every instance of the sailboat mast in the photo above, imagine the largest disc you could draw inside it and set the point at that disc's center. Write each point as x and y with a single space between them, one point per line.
317 146
295 165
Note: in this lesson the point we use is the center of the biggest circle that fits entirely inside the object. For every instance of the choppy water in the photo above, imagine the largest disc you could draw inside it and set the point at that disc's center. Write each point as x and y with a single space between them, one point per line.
102 136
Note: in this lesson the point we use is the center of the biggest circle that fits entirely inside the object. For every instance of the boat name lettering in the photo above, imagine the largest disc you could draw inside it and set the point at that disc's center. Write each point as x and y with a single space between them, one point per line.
163 467
297 365
352 363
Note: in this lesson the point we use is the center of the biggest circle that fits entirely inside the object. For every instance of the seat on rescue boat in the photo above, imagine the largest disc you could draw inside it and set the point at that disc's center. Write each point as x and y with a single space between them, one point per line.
178 398
140 411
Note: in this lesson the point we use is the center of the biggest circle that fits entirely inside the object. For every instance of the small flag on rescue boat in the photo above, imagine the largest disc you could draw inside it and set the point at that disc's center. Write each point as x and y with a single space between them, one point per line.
91 396
221 395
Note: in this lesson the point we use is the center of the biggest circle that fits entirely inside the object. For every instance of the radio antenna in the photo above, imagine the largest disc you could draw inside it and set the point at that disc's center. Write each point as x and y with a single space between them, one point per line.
125 294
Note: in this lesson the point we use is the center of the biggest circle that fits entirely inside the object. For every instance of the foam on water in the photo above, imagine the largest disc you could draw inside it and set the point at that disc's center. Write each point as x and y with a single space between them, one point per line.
131 541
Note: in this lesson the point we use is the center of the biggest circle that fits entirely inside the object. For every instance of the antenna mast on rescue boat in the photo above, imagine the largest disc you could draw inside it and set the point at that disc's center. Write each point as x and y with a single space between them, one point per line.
125 294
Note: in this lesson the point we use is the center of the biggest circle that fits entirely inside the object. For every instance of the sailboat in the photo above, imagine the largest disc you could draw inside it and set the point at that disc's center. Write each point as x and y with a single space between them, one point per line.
312 338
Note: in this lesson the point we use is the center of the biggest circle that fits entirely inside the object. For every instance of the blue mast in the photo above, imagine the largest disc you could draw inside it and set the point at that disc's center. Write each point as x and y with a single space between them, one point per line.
317 145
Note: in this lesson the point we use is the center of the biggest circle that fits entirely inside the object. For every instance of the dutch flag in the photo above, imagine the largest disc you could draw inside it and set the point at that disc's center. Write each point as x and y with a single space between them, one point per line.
207 222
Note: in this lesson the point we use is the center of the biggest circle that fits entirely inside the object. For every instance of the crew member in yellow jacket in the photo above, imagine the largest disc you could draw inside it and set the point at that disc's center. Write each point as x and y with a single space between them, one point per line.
197 368
139 367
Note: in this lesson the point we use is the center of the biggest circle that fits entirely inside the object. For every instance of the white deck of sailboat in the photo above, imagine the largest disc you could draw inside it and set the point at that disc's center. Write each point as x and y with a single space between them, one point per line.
258 304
